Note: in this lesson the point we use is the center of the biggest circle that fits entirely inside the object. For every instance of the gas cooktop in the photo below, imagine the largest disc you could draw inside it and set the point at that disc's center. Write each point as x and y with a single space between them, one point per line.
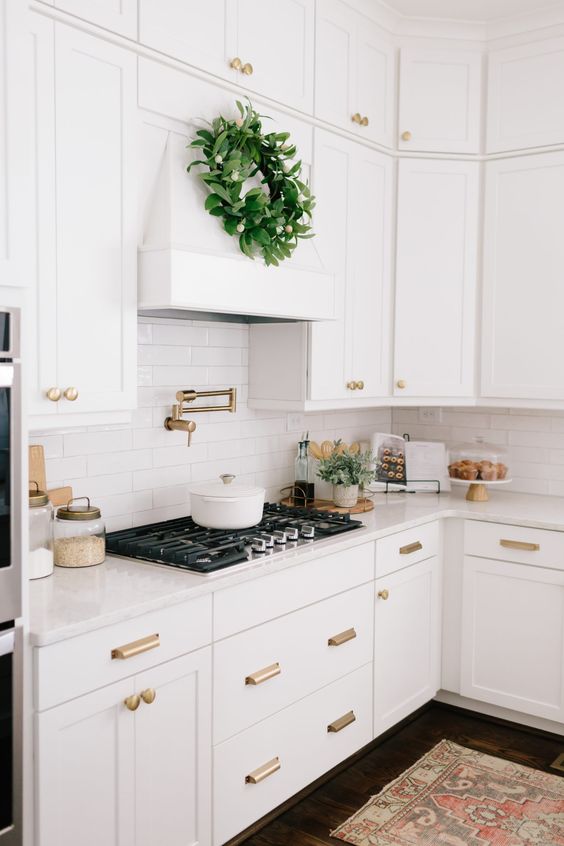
183 544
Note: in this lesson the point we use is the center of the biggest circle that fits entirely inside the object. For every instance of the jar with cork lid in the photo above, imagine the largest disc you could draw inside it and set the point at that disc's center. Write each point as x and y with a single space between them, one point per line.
80 535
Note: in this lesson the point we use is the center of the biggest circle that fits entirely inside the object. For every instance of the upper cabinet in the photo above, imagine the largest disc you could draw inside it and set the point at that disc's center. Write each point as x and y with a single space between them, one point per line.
116 15
523 324
436 268
439 104
355 73
526 96
249 42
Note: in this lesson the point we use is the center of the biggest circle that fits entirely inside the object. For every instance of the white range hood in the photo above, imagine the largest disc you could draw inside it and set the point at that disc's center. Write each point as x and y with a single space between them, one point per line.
188 264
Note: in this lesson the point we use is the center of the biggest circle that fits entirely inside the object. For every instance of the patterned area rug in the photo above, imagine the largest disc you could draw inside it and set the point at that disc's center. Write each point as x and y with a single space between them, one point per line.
454 796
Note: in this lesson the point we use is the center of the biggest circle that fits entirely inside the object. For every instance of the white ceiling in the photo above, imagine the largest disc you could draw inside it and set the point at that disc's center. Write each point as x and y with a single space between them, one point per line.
468 10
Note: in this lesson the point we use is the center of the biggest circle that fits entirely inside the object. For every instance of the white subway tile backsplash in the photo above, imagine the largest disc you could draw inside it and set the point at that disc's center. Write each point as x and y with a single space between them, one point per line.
217 355
228 337
183 335
161 477
65 468
110 462
86 443
170 456
179 377
168 355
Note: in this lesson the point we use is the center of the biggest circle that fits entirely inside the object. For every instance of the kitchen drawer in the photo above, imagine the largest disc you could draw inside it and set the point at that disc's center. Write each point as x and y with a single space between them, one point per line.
404 548
299 738
295 657
251 603
72 667
520 544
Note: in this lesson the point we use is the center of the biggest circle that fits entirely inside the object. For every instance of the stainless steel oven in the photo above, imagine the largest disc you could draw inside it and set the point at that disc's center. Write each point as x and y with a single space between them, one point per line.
10 736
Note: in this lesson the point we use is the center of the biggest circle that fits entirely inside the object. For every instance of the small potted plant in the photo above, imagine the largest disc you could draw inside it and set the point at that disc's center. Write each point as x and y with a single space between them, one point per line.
346 471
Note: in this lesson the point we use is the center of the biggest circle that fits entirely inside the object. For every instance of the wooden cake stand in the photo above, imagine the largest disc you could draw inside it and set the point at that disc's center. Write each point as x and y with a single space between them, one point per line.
478 490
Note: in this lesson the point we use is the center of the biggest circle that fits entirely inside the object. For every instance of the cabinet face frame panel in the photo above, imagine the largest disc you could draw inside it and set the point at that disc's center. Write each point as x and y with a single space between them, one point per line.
116 15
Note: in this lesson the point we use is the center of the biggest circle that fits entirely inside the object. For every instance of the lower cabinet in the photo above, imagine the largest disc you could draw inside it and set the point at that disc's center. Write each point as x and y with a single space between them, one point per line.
513 636
407 641
114 774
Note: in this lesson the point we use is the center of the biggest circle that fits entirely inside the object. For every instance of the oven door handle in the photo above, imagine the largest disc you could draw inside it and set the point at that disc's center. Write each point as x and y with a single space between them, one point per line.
7 642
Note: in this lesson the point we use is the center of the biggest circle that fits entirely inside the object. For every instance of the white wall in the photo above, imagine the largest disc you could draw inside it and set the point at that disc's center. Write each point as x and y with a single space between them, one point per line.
140 473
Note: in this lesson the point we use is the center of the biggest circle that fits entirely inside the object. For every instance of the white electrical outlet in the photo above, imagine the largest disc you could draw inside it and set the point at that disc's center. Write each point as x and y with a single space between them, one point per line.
295 422
431 415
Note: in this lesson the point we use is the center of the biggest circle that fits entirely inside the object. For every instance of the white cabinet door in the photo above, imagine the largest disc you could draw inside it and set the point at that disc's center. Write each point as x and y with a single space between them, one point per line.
407 633
513 636
277 41
85 770
440 100
354 73
523 312
116 15
437 246
526 96
173 753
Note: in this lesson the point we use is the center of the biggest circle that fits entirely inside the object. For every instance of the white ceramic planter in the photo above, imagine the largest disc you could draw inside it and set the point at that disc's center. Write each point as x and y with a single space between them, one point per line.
345 496
220 505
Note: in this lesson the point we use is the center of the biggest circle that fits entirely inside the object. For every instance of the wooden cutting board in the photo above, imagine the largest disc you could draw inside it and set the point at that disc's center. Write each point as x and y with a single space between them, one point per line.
37 473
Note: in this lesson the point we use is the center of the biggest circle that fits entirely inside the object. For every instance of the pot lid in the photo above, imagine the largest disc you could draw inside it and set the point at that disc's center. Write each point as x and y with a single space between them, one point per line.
37 497
225 488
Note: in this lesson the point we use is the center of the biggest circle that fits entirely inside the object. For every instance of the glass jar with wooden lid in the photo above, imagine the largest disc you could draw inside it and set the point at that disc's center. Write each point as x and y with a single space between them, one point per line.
80 535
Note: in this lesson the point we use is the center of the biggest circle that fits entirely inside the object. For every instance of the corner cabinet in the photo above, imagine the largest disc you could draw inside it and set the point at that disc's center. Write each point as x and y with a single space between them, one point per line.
84 305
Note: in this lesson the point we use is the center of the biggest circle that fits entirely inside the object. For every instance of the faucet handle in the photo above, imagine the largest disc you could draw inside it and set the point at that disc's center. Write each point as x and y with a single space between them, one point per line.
191 427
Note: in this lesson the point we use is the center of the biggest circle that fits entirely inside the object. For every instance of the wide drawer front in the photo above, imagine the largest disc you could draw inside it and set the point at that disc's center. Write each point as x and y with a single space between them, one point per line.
72 667
251 603
520 544
261 767
405 548
261 671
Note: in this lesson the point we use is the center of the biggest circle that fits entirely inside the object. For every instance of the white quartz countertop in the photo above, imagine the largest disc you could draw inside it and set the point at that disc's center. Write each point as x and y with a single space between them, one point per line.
71 602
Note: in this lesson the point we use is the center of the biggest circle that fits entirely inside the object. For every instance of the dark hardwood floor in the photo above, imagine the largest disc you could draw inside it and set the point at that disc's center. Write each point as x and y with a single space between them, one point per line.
308 823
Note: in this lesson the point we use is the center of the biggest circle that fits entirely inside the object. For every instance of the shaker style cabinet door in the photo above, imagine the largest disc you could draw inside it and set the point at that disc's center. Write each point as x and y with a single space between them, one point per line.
523 298
116 15
513 636
439 104
526 96
437 247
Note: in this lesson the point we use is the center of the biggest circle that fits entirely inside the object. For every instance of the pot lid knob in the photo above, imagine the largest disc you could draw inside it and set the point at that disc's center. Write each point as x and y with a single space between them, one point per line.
227 478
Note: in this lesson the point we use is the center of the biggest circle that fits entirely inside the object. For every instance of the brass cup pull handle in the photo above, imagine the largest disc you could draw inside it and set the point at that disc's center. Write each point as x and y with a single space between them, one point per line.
247 69
263 675
132 702
236 63
406 136
383 594
410 547
149 695
341 723
53 394
342 637
513 544
70 394
263 772
137 647
364 121
356 118
352 386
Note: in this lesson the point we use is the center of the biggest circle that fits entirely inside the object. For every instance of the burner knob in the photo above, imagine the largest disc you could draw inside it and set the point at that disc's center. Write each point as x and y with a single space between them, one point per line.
279 537
308 532
292 533
258 545
269 541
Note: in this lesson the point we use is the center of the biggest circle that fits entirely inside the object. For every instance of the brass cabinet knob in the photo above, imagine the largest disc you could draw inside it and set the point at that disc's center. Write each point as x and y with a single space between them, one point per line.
401 383
352 386
383 594
236 63
53 394
364 121
148 696
247 69
71 394
356 118
406 136
132 702
360 385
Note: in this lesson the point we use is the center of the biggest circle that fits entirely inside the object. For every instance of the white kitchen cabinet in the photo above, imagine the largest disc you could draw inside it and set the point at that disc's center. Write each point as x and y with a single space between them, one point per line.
513 636
436 278
407 641
85 239
523 299
116 15
355 74
106 774
440 100
526 96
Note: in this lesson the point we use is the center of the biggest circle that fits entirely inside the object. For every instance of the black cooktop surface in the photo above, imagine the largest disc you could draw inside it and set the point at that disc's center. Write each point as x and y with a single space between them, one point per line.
183 544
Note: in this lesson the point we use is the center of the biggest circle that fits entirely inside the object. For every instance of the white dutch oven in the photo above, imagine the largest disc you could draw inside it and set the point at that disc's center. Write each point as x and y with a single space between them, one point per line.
220 505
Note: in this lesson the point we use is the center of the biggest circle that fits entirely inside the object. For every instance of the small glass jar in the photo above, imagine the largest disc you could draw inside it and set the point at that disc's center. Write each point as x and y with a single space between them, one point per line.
80 535
40 534
478 461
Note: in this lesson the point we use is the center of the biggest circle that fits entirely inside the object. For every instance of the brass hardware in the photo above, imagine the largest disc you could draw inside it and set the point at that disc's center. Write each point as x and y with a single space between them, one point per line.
406 136
513 544
360 385
410 547
79 512
236 63
342 722
263 772
148 696
383 594
177 424
342 637
364 121
137 647
352 386
247 69
132 703
54 394
264 675
190 395
70 394
401 383
356 118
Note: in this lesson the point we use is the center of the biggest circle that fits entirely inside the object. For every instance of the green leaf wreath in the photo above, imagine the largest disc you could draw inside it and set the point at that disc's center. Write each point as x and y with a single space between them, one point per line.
270 220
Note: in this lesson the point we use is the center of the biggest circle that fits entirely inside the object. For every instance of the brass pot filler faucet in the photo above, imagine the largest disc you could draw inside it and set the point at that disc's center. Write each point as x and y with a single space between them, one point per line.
177 423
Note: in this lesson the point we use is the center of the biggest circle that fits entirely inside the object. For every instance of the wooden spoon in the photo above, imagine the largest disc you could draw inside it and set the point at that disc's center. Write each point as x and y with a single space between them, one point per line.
326 449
